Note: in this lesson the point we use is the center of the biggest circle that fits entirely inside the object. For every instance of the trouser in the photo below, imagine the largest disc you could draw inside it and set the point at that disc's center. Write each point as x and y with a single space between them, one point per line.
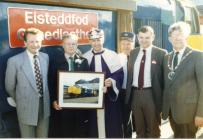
182 130
126 116
144 112
39 131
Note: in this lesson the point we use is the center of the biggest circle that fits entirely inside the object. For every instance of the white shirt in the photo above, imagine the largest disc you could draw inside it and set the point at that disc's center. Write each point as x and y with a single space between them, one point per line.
147 68
31 58
67 56
98 64
180 55
124 60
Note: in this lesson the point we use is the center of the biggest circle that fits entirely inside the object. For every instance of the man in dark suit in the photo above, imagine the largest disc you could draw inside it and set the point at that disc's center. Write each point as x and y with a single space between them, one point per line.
145 84
183 90
72 123
26 83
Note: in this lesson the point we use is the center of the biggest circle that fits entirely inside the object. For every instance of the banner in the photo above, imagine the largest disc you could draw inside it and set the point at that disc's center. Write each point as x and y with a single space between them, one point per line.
54 24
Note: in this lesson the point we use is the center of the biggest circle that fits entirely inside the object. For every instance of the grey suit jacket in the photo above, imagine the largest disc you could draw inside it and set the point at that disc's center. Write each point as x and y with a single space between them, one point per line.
157 58
20 84
184 94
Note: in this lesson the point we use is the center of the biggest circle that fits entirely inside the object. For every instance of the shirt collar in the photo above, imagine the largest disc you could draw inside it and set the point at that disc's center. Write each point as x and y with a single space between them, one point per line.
30 55
67 56
147 49
98 53
181 51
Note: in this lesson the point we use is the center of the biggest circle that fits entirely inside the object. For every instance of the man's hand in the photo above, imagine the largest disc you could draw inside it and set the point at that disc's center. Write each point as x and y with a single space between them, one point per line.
56 106
104 90
11 102
199 121
108 82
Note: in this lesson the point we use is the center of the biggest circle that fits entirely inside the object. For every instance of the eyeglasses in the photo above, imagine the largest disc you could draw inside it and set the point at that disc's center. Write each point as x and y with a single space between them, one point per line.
70 44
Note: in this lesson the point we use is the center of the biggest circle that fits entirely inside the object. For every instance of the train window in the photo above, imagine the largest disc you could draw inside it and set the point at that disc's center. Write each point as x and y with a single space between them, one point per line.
191 17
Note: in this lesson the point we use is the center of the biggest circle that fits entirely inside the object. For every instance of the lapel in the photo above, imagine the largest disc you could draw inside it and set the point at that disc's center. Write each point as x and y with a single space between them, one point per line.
153 59
27 68
77 66
182 64
64 62
132 63
43 68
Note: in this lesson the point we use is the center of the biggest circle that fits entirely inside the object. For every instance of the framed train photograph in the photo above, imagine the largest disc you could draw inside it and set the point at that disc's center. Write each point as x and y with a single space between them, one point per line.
80 89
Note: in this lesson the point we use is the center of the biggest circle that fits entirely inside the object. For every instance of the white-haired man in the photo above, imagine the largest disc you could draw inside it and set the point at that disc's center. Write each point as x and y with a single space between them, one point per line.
183 78
72 123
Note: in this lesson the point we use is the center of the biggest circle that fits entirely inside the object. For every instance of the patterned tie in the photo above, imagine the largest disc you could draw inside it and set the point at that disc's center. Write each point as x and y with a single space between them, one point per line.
71 64
175 60
141 72
38 76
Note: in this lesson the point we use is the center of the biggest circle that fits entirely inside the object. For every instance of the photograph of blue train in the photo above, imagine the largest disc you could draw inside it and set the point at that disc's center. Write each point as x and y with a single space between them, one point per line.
80 90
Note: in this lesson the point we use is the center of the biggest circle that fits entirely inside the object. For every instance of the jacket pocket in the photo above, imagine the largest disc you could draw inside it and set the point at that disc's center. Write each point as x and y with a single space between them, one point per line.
190 100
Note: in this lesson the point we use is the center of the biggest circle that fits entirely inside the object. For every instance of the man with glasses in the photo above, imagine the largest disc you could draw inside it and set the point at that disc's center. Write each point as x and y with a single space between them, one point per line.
183 90
70 123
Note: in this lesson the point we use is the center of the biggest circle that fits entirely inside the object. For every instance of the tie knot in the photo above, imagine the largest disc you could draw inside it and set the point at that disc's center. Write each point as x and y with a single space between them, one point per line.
144 51
71 58
176 53
35 56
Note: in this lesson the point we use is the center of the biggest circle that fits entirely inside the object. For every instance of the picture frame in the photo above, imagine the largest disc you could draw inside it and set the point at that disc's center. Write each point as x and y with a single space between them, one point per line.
80 89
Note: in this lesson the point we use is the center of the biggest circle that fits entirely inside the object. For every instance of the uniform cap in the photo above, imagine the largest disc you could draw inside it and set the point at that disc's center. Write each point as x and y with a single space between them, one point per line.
127 36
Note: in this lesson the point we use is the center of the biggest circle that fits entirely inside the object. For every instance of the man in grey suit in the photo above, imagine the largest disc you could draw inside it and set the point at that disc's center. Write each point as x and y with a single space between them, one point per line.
26 83
183 78
145 84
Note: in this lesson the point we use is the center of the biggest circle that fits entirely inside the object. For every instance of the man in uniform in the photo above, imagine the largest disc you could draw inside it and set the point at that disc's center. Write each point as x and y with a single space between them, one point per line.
127 43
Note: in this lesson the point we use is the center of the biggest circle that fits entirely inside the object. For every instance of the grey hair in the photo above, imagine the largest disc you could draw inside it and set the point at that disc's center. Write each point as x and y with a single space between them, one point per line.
180 26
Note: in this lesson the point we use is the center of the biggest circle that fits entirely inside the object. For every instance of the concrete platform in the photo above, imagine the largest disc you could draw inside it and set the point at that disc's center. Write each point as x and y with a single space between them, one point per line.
166 131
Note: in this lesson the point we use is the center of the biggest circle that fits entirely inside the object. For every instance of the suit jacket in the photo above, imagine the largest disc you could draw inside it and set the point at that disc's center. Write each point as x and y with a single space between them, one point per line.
20 84
157 58
184 94
60 63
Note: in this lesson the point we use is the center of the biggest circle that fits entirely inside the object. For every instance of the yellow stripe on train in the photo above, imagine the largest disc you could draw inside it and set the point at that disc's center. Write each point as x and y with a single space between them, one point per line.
196 42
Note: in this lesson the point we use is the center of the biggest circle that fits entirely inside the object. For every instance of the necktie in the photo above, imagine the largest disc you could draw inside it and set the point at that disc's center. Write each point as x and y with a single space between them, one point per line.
141 72
38 76
175 60
71 64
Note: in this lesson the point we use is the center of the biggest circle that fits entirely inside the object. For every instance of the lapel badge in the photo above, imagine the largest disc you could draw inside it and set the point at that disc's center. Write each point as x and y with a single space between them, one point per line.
154 62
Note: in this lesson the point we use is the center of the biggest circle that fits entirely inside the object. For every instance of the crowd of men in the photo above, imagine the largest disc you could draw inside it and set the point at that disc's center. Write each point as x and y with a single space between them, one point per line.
142 86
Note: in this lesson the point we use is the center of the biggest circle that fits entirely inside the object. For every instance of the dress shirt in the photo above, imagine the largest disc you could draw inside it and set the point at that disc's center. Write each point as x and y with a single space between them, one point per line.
31 58
68 60
180 55
147 68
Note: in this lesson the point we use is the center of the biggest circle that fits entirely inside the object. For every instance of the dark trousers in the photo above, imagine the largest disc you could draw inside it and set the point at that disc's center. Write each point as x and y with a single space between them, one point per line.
126 115
9 127
144 112
182 130
74 123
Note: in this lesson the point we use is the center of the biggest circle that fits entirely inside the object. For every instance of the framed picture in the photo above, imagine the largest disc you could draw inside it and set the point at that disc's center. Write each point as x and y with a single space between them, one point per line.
80 89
